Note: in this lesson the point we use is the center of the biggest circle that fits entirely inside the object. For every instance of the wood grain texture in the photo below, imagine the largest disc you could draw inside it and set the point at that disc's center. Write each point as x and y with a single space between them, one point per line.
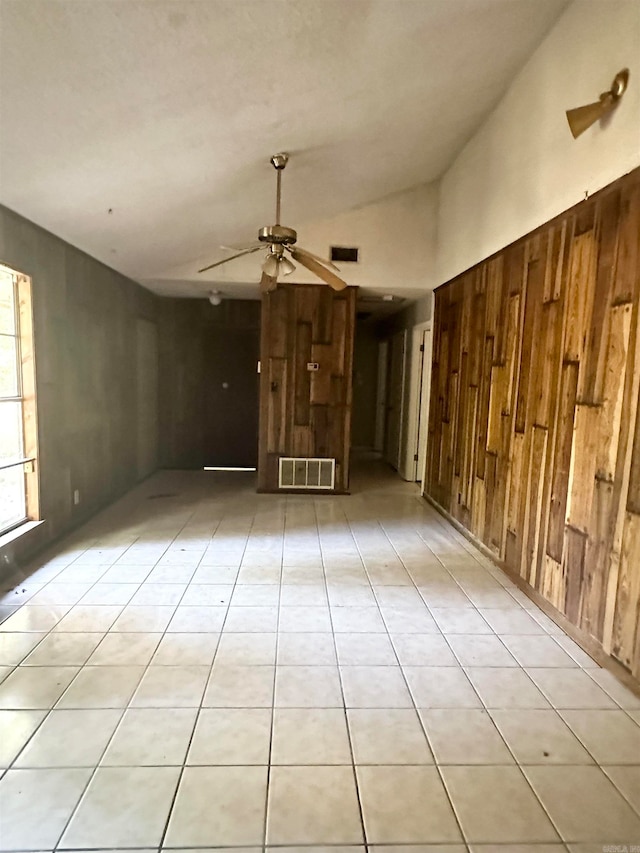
534 434
305 413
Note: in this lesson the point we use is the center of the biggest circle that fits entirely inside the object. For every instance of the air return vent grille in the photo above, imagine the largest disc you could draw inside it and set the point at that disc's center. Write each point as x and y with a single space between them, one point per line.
306 473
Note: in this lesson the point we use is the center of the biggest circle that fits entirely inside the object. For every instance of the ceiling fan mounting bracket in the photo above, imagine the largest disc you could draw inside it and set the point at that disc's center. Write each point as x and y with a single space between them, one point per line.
279 161
279 234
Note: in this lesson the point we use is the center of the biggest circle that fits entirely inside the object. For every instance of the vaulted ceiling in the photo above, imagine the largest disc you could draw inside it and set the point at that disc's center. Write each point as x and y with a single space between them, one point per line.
140 130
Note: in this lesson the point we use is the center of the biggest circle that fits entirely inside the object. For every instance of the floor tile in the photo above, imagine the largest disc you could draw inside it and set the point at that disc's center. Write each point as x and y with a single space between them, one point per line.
15 647
313 805
610 736
218 806
301 575
242 649
460 620
506 688
240 687
310 736
344 595
618 692
236 736
35 687
159 593
259 575
401 596
440 687
255 595
70 739
303 595
109 593
423 650
540 737
123 573
496 805
36 805
374 687
120 649
627 781
535 651
387 736
357 620
102 687
513 620
61 593
151 737
308 687
480 650
35 618
171 687
198 619
459 736
148 619
123 807
89 618
63 650
371 649
16 727
570 688
306 649
584 804
409 620
393 806
186 650
215 574
300 619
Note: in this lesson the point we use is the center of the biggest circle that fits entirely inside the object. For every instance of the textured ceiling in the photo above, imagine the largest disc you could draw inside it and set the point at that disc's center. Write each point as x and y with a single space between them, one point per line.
140 130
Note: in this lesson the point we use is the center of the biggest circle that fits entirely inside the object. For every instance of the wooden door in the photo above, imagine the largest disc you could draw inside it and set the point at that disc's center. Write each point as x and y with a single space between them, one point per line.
423 413
231 401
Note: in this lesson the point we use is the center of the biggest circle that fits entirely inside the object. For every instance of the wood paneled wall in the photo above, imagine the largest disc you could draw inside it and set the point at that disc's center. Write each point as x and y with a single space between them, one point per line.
534 441
302 413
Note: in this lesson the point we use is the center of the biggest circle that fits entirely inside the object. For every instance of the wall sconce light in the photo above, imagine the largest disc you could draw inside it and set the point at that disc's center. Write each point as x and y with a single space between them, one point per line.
581 118
215 297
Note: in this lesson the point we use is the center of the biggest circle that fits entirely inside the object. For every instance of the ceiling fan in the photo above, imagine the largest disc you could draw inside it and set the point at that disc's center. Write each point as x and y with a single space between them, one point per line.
279 239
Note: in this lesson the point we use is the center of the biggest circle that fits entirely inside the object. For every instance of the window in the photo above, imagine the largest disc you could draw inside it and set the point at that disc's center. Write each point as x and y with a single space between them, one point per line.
18 484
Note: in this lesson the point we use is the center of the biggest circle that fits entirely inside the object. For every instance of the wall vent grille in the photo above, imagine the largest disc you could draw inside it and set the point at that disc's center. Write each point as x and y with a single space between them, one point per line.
302 473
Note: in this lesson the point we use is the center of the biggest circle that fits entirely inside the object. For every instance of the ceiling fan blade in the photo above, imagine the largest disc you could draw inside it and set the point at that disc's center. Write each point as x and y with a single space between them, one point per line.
232 258
268 283
317 269
315 257
243 248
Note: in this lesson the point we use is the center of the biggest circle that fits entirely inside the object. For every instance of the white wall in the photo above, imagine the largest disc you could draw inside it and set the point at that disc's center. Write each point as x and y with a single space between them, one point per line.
523 167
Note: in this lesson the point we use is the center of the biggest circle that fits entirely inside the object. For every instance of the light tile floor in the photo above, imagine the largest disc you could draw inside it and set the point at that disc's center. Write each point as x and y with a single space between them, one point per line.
202 667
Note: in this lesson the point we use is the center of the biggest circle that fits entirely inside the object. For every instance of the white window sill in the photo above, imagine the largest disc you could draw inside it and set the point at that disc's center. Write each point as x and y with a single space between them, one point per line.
18 532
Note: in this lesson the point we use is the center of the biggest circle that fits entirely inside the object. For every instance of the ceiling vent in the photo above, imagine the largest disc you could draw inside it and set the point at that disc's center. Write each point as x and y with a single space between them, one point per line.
344 254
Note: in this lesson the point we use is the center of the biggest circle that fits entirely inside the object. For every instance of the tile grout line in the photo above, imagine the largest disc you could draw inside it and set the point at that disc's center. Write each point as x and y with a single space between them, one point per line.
356 783
185 759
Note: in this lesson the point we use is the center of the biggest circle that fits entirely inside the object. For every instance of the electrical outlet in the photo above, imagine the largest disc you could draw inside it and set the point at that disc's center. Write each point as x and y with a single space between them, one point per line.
76 497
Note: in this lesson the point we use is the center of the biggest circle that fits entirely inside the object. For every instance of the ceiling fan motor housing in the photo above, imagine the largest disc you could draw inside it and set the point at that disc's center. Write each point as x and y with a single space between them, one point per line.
279 234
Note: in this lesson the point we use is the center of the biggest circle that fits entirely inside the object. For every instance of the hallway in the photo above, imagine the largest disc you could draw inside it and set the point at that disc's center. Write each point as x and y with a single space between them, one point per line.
204 667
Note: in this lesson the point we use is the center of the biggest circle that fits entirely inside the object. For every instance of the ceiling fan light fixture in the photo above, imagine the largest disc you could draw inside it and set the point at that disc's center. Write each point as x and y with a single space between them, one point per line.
270 266
215 297
285 267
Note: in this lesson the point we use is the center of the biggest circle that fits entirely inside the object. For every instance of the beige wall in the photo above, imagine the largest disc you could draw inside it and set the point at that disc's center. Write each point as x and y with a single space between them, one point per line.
523 167
85 318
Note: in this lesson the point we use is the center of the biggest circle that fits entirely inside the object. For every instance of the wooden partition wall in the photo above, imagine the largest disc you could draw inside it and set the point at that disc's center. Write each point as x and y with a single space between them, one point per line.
534 441
305 413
